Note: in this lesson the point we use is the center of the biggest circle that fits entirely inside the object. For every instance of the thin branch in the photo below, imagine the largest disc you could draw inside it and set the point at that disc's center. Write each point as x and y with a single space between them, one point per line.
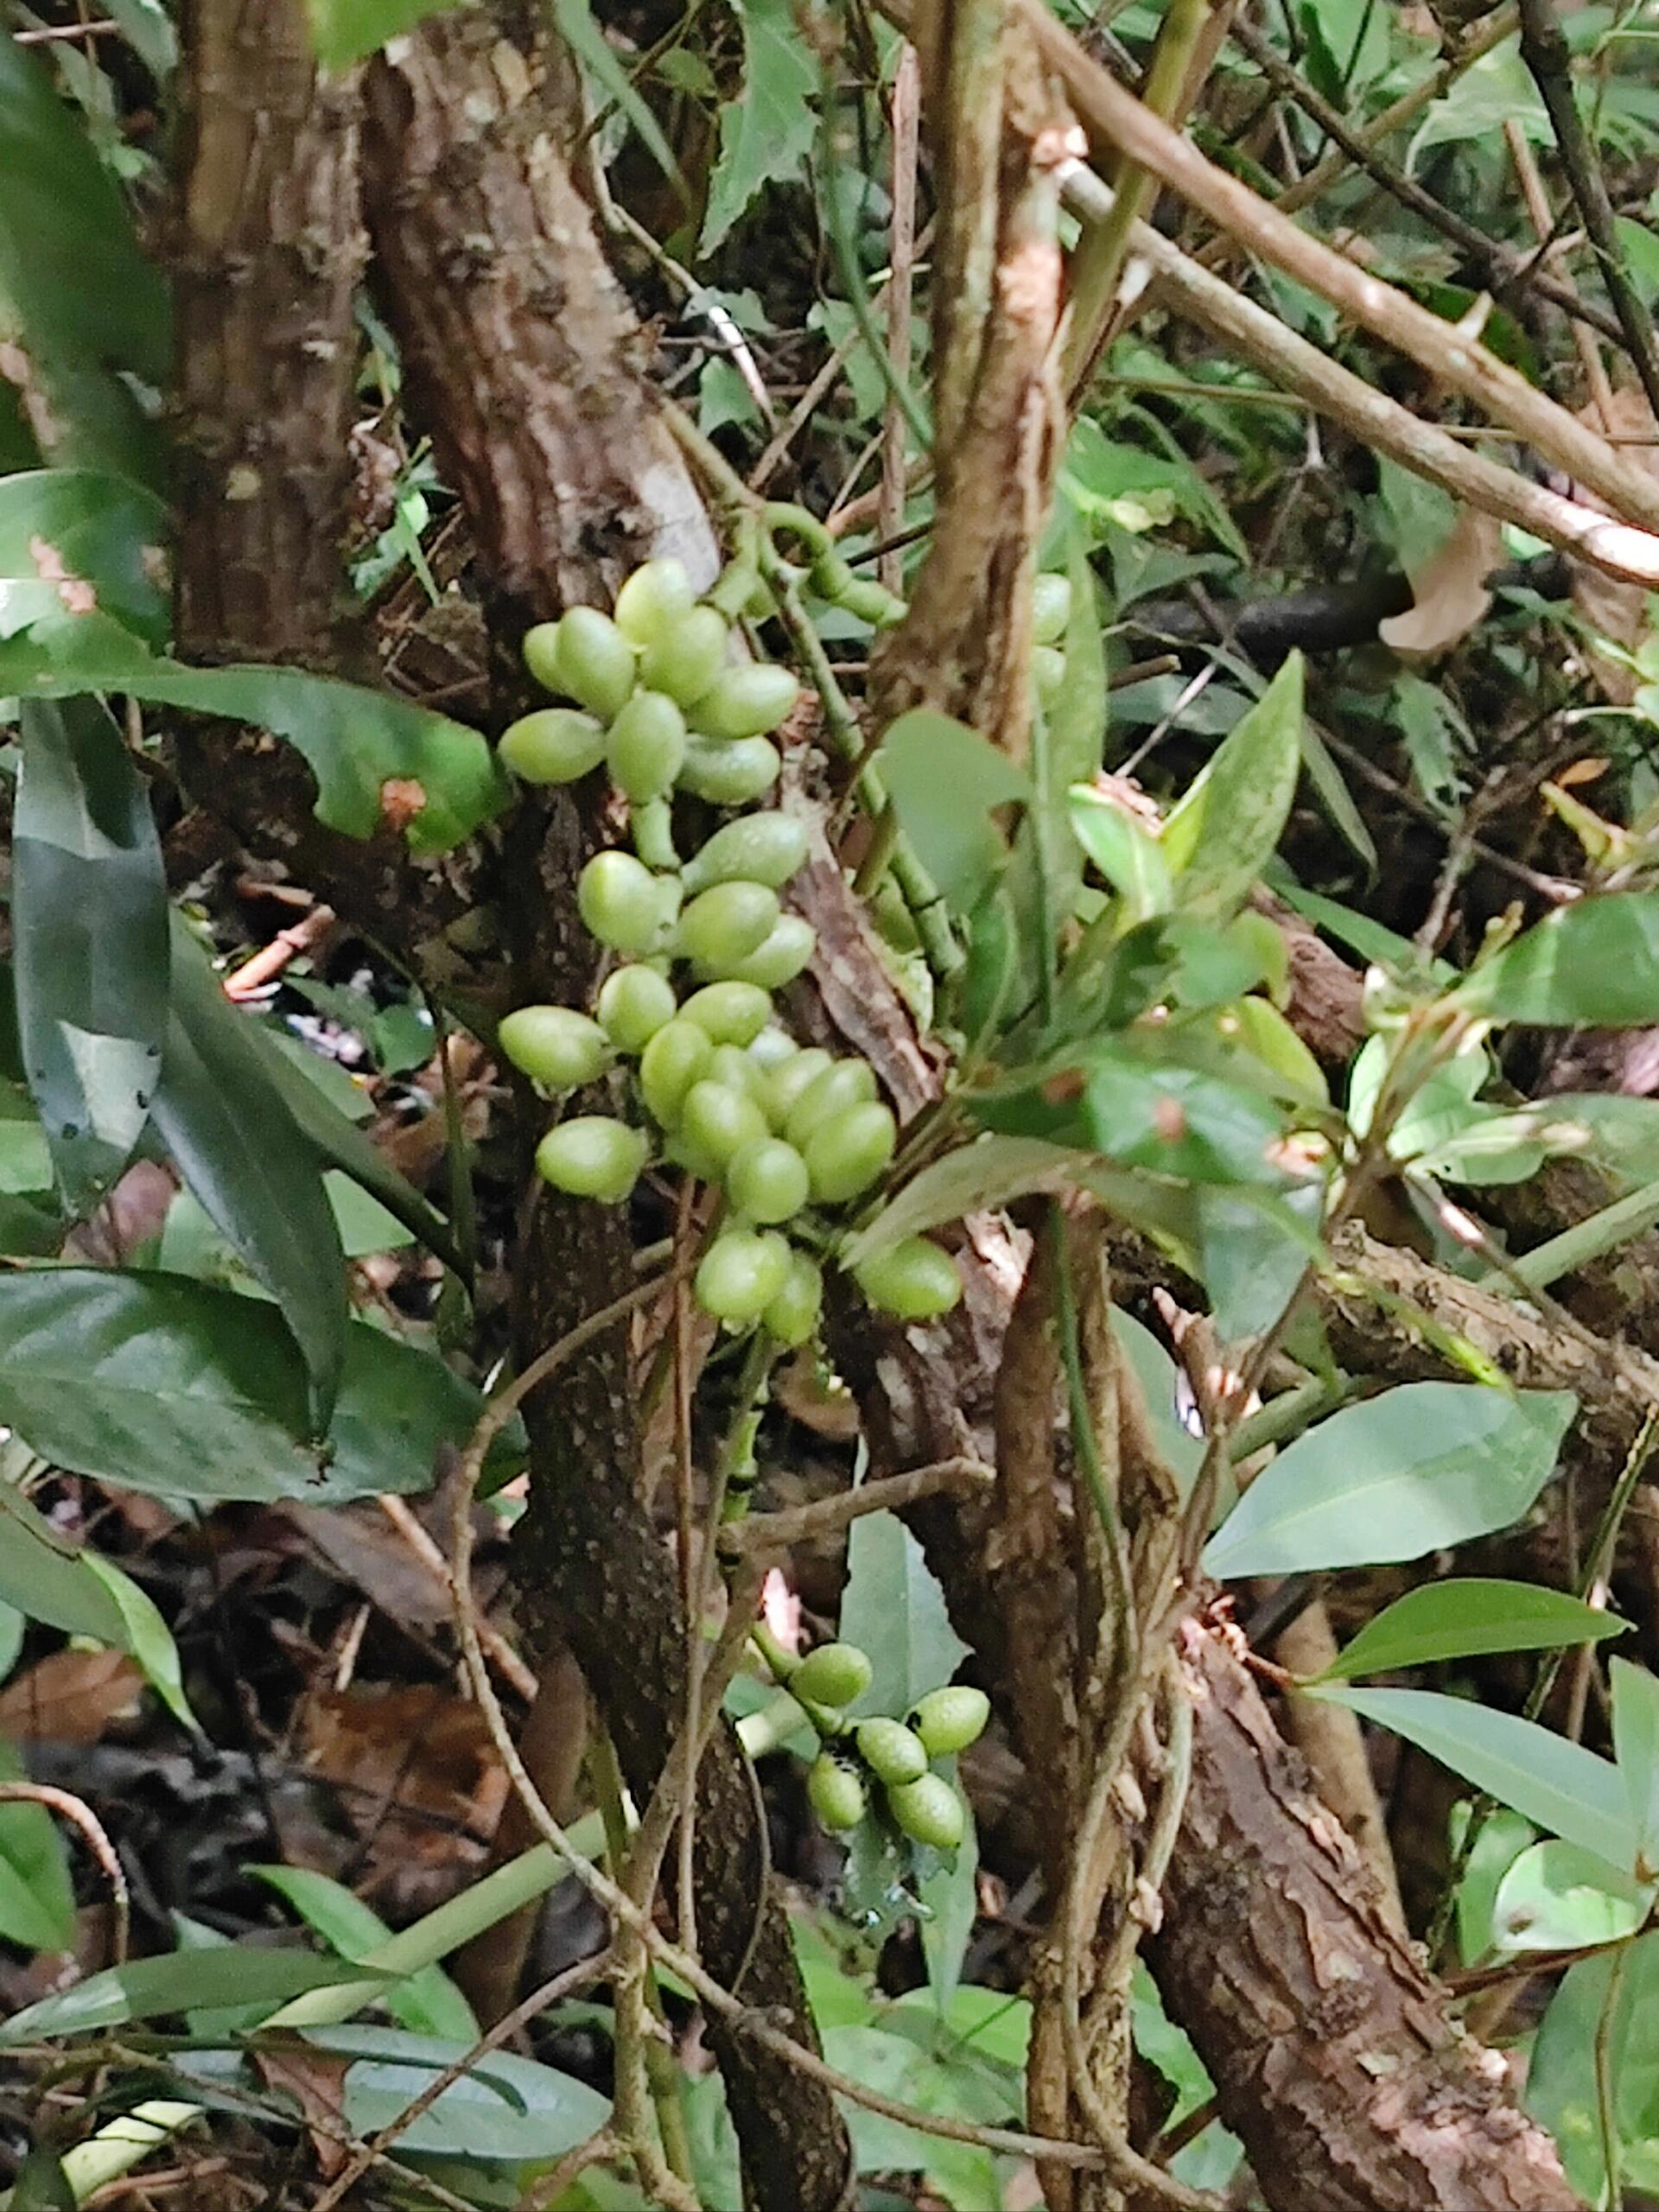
80 1815
828 1516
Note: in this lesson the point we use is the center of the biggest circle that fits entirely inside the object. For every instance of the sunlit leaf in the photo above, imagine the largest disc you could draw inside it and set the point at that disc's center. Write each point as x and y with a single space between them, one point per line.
345 31
1557 1897
502 2108
427 2003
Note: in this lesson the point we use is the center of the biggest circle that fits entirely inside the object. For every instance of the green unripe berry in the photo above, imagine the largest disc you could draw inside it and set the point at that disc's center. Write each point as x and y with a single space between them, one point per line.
793 1317
767 1180
593 1157
686 655
554 1045
676 1058
623 903
597 665
1048 671
844 1157
893 1752
715 1122
780 958
732 1013
772 1048
634 1003
835 1674
760 849
738 1277
556 744
732 1065
724 925
657 595
541 652
788 1083
834 1793
929 1811
746 702
949 1719
1051 608
647 745
833 1094
915 1280
729 774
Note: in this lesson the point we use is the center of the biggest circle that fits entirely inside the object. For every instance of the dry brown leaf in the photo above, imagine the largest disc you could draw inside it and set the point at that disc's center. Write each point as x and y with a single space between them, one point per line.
417 1749
316 2081
1616 611
70 1697
1449 594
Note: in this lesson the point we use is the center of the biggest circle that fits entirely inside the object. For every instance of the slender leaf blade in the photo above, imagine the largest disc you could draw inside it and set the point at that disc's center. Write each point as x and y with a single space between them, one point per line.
1464 1617
180 1981
1636 1746
1225 831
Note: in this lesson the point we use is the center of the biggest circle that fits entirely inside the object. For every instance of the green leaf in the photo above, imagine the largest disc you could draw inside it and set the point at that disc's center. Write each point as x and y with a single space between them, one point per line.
1179 1121
987 1173
355 741
949 1900
1636 1746
766 131
893 1608
1225 831
1257 1247
1499 1841
80 305
1131 858
1561 2089
89 909
345 31
180 1981
427 2003
1556 1784
943 781
1595 963
148 29
502 2108
585 38
1424 1466
1165 2045
1557 1897
1468 1615
237 1145
37 1899
41 2185
187 1391
60 523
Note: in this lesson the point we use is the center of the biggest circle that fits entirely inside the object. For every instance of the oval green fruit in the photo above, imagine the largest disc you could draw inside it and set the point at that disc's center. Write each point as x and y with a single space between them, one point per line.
593 1157
760 849
949 1719
556 744
732 1013
915 1280
725 923
654 596
732 1065
596 664
893 1752
771 1049
541 652
686 655
842 1085
647 745
676 1058
792 1316
767 1180
781 957
554 1045
1051 608
844 1156
634 1003
1048 671
746 702
835 1793
622 902
929 1811
717 1122
738 1277
834 1675
788 1082
729 775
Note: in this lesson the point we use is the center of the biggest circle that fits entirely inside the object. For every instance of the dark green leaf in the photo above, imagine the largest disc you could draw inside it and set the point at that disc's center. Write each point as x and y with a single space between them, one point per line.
895 1609
355 741
1424 1466
186 1390
503 2108
766 131
181 1981
37 1900
48 1578
1257 1246
944 779
427 2003
89 909
345 31
242 1153
1594 962
1466 1616
1561 2087
1223 833
41 2185
1179 1121
62 523
614 80
1636 1746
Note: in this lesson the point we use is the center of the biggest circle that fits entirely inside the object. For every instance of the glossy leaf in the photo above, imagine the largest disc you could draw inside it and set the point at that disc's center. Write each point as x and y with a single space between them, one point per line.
427 2003
1125 851
180 1981
766 130
502 2108
37 1899
106 531
186 1390
1465 1616
1555 1783
893 1608
1636 1746
1592 963
1557 1897
1227 822
228 1125
944 779
1424 1466
89 909
368 750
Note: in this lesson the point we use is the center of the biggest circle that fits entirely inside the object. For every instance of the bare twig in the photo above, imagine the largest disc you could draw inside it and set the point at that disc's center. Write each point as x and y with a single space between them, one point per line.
514 1669
828 1516
80 1815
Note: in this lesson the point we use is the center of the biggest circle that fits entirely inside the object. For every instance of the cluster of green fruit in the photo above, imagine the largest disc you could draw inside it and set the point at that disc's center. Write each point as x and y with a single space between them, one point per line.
779 1130
893 1756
